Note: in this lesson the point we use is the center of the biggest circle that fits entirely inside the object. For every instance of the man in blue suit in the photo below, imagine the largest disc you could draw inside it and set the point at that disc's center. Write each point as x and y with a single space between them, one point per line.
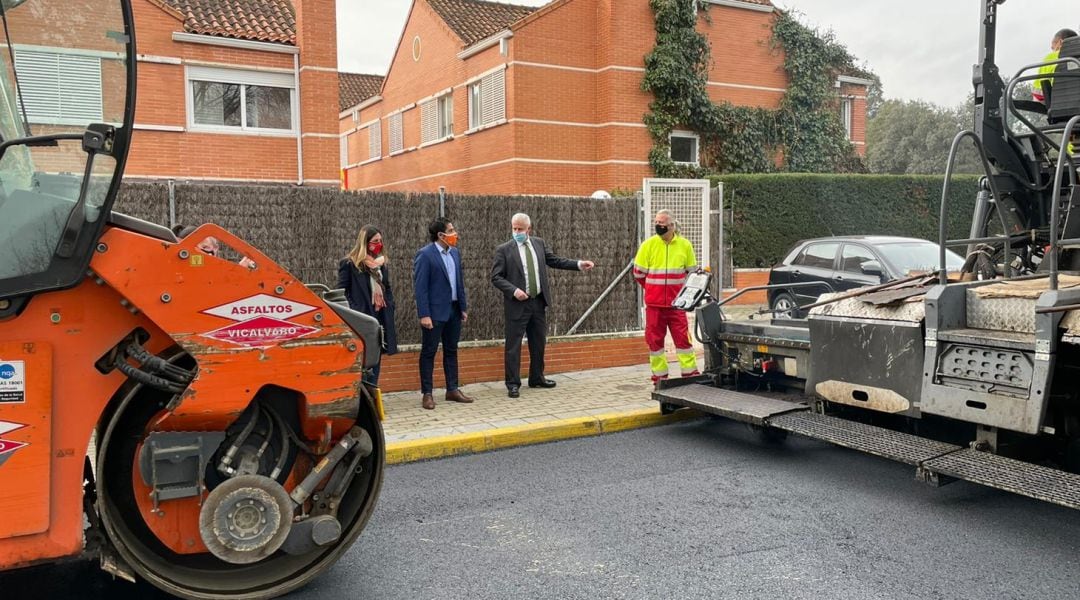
441 305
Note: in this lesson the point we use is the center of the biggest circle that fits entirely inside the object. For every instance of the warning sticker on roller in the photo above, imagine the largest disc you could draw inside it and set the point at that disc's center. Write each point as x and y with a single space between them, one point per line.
260 305
7 447
260 332
12 382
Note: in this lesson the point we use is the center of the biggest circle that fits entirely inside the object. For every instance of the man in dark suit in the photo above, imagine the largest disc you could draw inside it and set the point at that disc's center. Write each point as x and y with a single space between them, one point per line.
520 273
440 303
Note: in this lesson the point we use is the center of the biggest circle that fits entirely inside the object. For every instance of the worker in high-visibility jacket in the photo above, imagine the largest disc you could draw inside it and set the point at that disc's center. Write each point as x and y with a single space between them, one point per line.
1038 93
661 266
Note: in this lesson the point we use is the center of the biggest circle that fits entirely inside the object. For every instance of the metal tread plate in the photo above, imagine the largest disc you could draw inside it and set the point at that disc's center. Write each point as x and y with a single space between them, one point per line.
886 443
738 406
1019 477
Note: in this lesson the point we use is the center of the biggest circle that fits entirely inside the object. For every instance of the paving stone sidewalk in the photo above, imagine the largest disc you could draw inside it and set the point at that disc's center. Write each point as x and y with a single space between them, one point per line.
578 394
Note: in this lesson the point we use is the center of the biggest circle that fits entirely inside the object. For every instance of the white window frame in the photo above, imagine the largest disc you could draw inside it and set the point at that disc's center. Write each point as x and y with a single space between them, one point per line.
436 119
847 114
475 94
242 78
697 146
64 88
487 100
445 106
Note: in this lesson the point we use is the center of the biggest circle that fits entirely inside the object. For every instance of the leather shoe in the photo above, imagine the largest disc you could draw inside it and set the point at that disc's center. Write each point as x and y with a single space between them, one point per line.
428 402
457 396
547 383
513 391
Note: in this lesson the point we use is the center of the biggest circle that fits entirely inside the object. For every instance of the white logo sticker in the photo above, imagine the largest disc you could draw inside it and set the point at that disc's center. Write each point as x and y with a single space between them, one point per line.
12 382
260 305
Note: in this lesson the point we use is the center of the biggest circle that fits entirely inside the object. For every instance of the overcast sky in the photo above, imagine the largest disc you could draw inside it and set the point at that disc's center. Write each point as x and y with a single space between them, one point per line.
921 49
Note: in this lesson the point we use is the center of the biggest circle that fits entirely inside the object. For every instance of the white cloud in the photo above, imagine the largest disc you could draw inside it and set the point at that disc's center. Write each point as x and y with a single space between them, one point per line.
924 49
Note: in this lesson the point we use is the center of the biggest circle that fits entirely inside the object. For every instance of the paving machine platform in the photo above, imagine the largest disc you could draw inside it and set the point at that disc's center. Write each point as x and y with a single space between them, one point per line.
936 462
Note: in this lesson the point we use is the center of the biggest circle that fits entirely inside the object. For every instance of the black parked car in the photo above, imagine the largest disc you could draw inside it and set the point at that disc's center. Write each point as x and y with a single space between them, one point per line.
849 262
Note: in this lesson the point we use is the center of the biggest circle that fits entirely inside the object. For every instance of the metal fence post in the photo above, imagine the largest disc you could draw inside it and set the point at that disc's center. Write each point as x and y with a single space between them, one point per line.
638 235
172 203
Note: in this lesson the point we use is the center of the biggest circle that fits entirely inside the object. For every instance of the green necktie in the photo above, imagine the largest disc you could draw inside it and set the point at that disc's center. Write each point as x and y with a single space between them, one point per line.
530 263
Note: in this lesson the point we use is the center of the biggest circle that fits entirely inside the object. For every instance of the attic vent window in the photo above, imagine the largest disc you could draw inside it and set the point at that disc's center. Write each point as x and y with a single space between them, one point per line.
416 49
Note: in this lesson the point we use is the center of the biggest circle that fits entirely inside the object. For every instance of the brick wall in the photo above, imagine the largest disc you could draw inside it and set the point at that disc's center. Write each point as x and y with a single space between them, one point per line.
484 361
199 155
574 98
744 278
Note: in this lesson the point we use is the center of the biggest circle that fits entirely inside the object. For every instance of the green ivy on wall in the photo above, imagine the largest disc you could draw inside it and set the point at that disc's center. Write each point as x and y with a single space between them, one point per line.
805 130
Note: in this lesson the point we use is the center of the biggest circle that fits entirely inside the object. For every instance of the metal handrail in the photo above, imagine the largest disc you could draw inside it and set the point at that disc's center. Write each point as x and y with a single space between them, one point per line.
776 286
1019 237
994 196
1019 78
1055 206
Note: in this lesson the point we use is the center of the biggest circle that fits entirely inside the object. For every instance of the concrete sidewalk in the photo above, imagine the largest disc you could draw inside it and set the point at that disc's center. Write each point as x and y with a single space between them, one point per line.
584 403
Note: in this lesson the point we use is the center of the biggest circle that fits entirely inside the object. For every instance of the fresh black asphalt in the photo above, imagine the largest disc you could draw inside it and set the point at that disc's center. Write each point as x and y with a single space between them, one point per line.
703 509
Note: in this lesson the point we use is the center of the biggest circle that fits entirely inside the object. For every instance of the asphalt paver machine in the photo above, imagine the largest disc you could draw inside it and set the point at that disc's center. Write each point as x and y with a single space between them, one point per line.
192 421
972 375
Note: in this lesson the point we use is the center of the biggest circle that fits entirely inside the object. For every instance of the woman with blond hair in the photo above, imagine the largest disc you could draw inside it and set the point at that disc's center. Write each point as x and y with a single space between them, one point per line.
365 275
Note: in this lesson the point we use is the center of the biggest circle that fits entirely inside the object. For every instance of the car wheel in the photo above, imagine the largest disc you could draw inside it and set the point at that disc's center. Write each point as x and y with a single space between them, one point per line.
783 304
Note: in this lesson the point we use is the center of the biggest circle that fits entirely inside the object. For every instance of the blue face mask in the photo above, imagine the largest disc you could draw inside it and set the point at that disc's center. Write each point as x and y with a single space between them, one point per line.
521 237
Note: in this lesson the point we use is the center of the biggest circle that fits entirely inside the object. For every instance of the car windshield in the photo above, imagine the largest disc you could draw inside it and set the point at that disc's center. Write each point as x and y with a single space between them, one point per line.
918 257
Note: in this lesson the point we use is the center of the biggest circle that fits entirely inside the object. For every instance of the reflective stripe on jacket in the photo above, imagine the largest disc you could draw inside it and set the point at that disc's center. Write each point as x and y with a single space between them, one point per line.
661 268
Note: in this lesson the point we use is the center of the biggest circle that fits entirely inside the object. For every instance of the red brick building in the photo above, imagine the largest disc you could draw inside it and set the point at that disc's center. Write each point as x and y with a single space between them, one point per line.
228 90
483 97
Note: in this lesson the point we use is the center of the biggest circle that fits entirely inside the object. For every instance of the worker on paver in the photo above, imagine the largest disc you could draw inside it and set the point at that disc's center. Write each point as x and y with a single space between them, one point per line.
1038 92
660 267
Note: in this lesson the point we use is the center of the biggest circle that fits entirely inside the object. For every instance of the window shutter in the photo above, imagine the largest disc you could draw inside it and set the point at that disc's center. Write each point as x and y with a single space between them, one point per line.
429 121
343 150
375 140
80 87
493 97
60 86
397 142
40 78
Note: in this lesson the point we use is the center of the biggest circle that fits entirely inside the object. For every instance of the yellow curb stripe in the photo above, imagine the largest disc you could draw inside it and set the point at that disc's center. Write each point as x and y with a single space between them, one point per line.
524 435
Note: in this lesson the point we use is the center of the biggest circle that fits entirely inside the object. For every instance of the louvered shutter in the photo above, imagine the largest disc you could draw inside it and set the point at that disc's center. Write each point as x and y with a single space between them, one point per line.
493 97
343 150
397 143
60 86
429 121
375 140
80 87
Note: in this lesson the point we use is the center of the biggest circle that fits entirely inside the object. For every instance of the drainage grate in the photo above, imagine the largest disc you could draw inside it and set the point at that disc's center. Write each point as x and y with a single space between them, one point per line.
737 406
886 443
1035 481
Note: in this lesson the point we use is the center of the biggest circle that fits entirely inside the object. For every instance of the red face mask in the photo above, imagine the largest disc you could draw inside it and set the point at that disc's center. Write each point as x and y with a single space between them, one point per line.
374 248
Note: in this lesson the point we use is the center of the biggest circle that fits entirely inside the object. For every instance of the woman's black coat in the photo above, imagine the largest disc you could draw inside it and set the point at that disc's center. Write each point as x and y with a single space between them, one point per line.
358 291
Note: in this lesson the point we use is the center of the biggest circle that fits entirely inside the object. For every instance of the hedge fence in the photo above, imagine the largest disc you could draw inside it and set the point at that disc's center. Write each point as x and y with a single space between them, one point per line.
773 211
309 230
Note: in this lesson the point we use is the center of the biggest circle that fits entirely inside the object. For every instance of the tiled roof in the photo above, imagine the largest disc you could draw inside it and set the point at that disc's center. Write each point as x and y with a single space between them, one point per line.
761 2
259 20
354 88
474 20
